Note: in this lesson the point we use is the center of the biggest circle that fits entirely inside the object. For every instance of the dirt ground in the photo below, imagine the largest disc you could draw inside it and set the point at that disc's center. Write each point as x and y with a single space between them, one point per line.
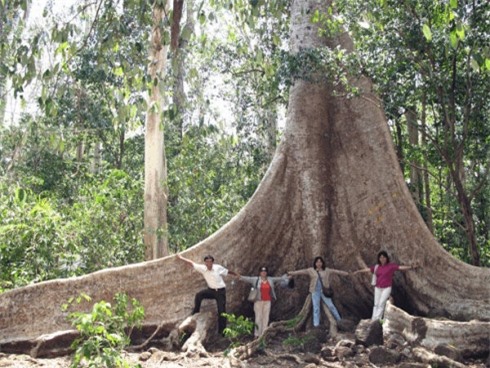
305 350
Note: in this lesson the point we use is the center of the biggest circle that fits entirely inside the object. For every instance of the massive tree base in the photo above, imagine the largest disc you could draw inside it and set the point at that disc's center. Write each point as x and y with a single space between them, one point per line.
334 188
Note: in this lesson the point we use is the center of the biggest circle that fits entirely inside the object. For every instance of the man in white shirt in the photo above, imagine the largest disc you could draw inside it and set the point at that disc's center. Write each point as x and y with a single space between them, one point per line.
213 274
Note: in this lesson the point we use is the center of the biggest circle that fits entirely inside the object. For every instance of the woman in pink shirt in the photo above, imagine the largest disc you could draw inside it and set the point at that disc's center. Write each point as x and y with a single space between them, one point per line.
384 272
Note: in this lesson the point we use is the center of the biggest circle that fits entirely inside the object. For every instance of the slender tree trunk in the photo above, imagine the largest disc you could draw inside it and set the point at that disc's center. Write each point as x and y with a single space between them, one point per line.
80 150
120 156
334 188
16 153
399 144
178 62
415 173
11 21
3 97
96 159
3 75
155 217
465 205
427 191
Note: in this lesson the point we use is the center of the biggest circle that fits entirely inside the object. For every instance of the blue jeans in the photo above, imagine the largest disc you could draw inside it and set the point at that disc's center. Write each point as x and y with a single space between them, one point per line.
315 297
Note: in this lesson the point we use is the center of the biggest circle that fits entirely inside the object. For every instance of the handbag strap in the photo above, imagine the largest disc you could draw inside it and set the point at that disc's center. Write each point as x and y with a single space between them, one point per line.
320 278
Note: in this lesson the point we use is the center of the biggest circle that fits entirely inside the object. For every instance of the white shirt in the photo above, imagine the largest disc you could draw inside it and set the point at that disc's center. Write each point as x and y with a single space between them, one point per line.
213 277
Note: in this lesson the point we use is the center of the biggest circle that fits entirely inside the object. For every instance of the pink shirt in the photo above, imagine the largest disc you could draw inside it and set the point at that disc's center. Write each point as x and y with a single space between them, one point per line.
384 274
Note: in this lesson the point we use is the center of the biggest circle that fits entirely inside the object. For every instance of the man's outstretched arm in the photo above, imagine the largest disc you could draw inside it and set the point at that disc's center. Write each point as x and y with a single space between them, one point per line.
188 261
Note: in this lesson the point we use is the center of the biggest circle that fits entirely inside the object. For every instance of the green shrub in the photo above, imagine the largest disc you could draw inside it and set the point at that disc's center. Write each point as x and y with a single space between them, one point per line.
237 328
105 331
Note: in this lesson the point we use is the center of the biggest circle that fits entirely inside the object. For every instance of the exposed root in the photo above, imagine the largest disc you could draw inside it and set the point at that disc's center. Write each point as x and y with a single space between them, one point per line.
303 314
58 343
428 357
471 338
284 356
332 323
197 326
246 351
147 341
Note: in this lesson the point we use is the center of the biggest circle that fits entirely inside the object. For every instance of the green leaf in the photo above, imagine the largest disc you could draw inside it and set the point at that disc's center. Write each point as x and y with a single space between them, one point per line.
315 17
186 33
276 40
460 31
118 72
450 16
453 38
453 4
202 18
427 32
474 65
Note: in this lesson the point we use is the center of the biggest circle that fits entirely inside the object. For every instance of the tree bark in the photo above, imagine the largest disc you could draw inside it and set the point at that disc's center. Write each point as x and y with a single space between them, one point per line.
334 188
155 216
270 128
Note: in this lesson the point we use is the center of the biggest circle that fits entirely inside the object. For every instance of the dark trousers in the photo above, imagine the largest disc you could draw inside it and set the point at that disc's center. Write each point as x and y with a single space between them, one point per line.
220 296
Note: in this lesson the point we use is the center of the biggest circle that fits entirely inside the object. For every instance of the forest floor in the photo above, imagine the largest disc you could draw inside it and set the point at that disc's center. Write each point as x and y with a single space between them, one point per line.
305 350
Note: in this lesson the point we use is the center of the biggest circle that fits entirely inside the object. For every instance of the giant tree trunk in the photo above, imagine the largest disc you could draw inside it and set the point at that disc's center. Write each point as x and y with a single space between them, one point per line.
334 188
155 217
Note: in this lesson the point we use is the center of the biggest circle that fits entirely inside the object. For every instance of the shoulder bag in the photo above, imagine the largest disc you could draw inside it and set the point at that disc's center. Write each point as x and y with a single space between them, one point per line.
253 295
327 291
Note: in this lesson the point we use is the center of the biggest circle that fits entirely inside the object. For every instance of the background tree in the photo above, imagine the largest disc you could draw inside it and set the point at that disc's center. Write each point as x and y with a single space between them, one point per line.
156 192
13 15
